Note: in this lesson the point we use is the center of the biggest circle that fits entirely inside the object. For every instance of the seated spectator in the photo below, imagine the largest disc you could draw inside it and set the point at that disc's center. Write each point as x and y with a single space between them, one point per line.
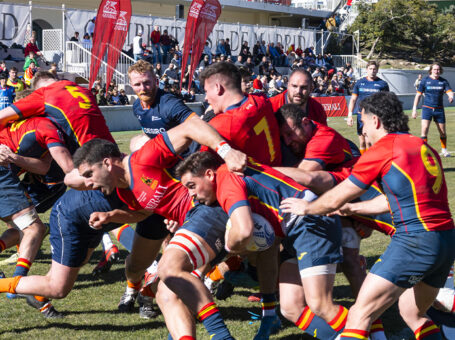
87 42
30 73
100 97
190 97
299 51
53 70
220 48
229 59
257 52
172 74
29 59
205 62
31 46
317 73
320 91
207 52
338 83
222 58
174 43
176 61
3 68
14 81
239 62
158 70
257 86
319 60
274 56
124 98
114 99
7 93
249 64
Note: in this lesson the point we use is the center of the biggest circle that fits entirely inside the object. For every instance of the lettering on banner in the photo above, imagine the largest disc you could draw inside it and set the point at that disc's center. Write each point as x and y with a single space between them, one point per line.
7 24
110 10
332 107
235 41
121 24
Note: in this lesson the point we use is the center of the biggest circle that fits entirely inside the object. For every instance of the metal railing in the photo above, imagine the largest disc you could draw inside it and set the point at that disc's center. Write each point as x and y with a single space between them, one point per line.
78 60
359 65
321 5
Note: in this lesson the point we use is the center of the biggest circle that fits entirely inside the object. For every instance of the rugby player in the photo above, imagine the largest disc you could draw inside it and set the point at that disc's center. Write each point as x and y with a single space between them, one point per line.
412 178
300 86
145 185
363 88
315 239
434 87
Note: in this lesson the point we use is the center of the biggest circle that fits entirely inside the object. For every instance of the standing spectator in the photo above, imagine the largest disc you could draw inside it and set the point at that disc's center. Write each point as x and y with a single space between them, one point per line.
155 40
14 81
257 53
115 99
220 48
239 62
30 73
158 70
165 42
75 38
30 58
7 94
418 81
137 47
227 47
271 51
91 27
87 41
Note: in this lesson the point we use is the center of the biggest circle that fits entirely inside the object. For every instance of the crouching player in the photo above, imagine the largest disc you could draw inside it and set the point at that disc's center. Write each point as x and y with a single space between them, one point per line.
315 240
418 259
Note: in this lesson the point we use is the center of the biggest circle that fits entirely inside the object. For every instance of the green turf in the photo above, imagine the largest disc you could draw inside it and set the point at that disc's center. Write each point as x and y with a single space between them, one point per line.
91 307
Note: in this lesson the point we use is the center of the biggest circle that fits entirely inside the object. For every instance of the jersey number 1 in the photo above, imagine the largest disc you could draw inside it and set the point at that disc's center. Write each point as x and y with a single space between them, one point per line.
262 126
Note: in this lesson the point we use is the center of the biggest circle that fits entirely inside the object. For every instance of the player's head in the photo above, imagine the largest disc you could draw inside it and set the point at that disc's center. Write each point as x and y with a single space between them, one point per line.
95 161
143 80
220 81
42 79
3 79
300 85
198 175
372 69
295 127
435 70
382 110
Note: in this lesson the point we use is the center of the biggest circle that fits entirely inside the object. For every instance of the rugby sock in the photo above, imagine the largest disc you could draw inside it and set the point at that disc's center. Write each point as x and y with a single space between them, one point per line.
106 242
424 138
211 318
357 334
187 337
9 284
449 281
268 303
377 330
339 321
125 236
197 273
234 263
443 142
22 267
428 331
215 274
133 286
312 324
2 246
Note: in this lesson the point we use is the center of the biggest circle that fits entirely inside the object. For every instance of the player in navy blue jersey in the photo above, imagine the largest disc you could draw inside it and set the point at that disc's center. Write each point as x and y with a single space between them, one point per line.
363 88
434 87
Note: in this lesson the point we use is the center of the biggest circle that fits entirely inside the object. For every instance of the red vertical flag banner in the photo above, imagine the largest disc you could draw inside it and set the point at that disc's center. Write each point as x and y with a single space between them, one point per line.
208 17
104 26
118 38
190 29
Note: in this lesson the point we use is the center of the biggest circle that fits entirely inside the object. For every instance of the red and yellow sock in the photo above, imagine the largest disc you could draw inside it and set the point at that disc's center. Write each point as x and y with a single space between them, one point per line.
354 334
377 326
207 310
339 321
305 319
428 331
22 267
443 142
9 284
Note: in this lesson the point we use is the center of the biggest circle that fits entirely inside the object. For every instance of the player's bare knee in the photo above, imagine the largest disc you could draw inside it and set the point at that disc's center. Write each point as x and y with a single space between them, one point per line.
289 311
164 296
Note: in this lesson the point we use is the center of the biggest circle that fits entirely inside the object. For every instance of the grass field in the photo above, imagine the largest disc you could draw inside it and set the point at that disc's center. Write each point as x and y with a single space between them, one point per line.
91 308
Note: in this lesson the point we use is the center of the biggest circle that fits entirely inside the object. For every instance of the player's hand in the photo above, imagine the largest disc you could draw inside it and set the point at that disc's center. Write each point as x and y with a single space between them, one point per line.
414 114
236 161
97 219
451 99
296 206
345 210
350 121
6 155
172 226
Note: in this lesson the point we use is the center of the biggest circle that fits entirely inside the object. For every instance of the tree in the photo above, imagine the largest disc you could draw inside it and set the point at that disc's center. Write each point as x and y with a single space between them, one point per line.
415 24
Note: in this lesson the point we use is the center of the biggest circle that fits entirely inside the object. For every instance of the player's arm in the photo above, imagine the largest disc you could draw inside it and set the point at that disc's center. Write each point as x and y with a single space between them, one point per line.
6 115
310 165
241 231
124 215
63 158
332 200
375 206
416 102
350 120
202 133
299 175
38 166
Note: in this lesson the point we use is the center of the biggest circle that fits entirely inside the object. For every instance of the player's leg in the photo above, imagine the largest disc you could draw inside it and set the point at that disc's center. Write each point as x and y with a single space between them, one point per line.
179 319
441 126
195 244
427 116
10 237
148 238
352 265
362 141
267 271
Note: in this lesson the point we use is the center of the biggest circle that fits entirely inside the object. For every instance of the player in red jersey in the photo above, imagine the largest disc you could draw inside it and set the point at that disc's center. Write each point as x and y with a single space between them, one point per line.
246 121
146 186
411 176
300 85
314 240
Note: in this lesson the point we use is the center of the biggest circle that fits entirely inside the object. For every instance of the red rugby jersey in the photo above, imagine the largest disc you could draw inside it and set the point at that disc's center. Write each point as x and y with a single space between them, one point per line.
410 174
71 107
152 186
